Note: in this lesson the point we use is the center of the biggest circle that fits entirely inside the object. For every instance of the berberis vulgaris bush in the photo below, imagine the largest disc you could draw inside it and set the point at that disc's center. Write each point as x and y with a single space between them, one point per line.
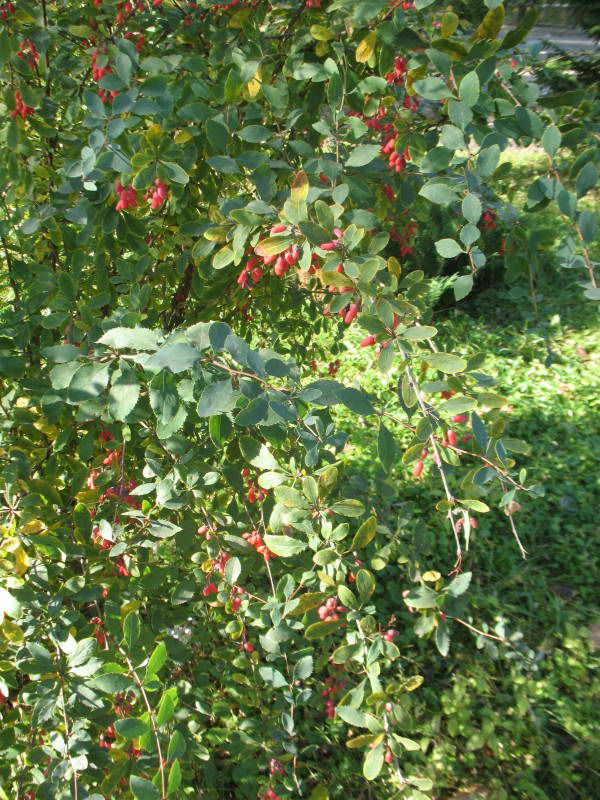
194 599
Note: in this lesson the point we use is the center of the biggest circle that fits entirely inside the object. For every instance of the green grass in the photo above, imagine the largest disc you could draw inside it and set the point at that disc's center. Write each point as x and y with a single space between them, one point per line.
520 722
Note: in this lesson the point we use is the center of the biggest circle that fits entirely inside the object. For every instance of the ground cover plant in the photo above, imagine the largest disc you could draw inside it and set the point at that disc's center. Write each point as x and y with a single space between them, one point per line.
264 466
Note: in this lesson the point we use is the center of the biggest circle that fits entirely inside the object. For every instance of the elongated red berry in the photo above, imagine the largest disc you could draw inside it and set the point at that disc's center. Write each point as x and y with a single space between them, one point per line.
452 438
278 228
329 246
460 418
418 469
368 341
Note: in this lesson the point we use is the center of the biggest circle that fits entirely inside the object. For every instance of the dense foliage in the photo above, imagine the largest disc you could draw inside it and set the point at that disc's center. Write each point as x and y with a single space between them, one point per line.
200 596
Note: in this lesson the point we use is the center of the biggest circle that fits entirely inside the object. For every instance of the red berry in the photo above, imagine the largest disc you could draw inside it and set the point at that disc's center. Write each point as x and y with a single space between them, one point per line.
418 469
452 438
460 418
368 341
249 648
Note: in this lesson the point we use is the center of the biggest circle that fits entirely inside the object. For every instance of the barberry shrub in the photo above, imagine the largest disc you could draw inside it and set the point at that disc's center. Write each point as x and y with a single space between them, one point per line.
196 600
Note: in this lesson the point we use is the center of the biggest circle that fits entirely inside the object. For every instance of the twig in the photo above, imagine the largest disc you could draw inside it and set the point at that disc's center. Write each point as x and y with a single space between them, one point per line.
476 630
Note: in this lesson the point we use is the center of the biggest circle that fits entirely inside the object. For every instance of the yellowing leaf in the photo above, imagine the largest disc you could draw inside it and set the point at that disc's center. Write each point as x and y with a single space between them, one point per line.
182 137
300 187
413 683
216 234
321 48
11 632
449 24
321 33
33 526
432 576
491 24
393 266
239 19
414 75
366 48
253 86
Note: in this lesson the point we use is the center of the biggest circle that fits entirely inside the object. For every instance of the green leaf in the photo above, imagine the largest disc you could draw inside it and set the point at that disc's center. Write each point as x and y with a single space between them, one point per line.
365 534
9 605
363 154
460 584
273 677
217 398
353 716
233 569
82 653
373 762
131 727
460 113
143 789
224 164
174 357
130 338
348 508
588 225
156 661
468 91
365 583
175 777
124 391
551 140
586 179
419 333
257 454
421 598
462 286
433 89
386 448
174 172
303 668
284 546
516 36
439 193
472 208
165 402
254 133
318 630
448 248
131 628
475 505
167 706
445 362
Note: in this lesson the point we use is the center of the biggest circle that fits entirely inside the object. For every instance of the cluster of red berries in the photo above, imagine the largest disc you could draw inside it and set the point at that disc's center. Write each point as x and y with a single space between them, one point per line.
488 220
250 270
397 161
28 52
333 367
388 192
107 738
404 238
236 599
21 108
398 74
139 42
276 767
98 632
6 9
127 197
374 122
313 3
270 793
329 692
458 525
451 438
405 5
255 540
210 588
330 610
418 468
335 243
98 73
158 195
390 635
255 493
370 340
